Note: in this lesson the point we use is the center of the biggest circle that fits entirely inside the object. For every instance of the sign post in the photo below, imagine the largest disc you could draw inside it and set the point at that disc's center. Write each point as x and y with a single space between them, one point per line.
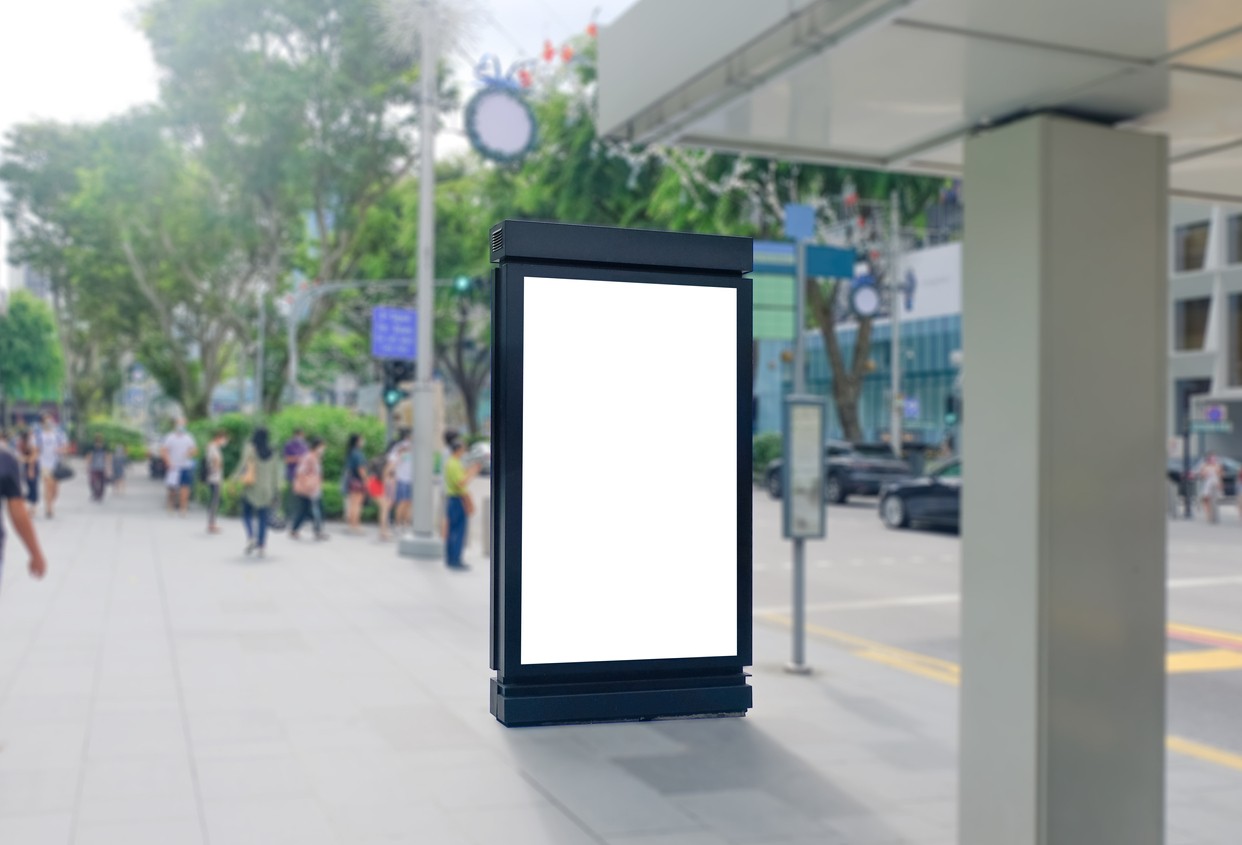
803 501
632 602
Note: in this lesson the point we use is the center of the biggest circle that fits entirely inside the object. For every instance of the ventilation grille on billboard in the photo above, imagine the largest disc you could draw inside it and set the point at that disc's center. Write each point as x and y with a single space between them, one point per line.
498 240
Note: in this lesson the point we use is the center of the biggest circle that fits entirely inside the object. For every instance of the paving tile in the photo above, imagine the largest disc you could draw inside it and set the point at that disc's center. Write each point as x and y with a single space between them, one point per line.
33 791
534 824
747 815
279 821
46 829
186 831
145 788
251 778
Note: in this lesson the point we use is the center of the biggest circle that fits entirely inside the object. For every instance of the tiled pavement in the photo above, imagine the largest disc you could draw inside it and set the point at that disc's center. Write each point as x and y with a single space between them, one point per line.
161 688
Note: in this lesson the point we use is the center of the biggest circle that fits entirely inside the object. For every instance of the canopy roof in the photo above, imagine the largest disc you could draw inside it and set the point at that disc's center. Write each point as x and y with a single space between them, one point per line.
899 84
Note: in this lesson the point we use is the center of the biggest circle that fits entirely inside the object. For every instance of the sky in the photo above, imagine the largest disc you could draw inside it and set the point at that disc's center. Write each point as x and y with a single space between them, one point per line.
84 60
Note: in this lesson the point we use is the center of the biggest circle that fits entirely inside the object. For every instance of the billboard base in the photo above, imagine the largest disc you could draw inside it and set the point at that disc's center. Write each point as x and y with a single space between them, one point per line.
527 704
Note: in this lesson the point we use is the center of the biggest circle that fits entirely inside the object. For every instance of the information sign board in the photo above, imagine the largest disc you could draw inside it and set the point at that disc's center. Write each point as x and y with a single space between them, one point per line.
394 333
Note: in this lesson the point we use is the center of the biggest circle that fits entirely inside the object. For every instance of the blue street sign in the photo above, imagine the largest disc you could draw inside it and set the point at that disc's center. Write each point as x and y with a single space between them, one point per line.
394 333
911 405
799 222
829 262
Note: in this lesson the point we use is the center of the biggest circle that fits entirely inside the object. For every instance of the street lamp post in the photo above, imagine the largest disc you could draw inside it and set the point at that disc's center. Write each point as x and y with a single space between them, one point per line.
894 286
422 542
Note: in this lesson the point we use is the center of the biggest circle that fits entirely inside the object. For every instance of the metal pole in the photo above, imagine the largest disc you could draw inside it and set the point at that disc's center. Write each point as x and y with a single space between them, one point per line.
798 664
423 543
293 348
894 287
258 369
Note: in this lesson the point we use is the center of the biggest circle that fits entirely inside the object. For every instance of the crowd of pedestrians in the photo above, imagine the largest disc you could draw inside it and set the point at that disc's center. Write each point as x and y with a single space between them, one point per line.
280 486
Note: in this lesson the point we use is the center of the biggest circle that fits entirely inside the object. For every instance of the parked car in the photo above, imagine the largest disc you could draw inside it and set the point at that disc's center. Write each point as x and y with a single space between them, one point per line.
935 499
851 469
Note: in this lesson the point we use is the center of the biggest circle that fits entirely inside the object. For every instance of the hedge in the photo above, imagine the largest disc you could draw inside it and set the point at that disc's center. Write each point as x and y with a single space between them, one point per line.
766 448
132 439
332 424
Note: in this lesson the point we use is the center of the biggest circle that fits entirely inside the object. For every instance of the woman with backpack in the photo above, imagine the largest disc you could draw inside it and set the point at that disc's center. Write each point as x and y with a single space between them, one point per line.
259 474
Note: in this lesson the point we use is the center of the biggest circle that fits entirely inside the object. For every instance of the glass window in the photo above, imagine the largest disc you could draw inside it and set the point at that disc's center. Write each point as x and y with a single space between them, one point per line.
1190 319
1235 340
953 469
1190 246
1235 239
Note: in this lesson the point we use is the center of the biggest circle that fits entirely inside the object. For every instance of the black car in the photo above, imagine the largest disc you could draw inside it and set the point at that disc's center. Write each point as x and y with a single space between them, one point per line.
851 469
935 499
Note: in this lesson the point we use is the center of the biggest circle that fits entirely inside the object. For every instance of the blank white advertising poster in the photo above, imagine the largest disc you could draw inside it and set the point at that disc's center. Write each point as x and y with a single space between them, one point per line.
629 471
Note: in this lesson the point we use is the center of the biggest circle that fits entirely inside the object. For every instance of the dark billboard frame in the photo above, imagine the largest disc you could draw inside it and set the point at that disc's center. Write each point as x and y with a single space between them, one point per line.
550 693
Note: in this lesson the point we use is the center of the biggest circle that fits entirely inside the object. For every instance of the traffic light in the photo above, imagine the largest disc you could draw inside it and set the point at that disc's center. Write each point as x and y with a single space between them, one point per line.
396 372
952 410
462 284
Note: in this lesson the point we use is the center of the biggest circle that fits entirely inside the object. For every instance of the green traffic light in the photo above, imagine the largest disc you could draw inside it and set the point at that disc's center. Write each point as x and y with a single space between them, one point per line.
461 284
950 419
392 397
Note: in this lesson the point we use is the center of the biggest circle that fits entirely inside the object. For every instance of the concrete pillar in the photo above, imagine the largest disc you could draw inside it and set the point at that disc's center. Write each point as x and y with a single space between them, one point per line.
1063 551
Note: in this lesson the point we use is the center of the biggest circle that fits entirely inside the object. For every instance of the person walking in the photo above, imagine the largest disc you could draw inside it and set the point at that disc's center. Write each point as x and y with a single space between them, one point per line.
51 443
295 447
120 459
99 463
354 483
308 486
1210 480
378 490
28 460
19 517
178 451
459 504
259 474
215 477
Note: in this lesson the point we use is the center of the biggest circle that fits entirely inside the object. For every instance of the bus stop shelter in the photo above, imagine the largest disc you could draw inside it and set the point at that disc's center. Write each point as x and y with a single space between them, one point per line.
1072 122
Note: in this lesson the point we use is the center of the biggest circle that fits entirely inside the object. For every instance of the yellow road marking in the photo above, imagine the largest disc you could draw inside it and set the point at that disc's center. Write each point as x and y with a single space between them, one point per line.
947 672
1203 660
1210 635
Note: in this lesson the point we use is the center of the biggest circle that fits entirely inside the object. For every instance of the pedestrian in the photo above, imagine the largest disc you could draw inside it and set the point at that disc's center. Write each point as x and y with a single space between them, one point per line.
215 476
120 459
308 486
19 516
403 474
459 504
51 442
378 489
259 474
99 463
1210 485
354 482
295 447
28 459
178 451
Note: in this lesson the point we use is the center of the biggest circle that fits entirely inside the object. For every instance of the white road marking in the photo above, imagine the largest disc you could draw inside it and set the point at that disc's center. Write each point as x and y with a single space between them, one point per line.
872 604
888 561
856 561
823 564
1207 581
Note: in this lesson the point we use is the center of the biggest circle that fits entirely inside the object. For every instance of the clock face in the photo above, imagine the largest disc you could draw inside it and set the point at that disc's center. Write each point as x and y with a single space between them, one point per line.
500 124
865 301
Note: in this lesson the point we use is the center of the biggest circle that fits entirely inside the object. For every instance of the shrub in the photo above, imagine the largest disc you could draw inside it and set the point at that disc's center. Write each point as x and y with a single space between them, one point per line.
332 424
113 433
767 448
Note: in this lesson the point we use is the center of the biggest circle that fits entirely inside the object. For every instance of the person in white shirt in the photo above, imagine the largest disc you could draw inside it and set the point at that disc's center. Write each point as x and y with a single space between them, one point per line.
51 442
178 451
399 461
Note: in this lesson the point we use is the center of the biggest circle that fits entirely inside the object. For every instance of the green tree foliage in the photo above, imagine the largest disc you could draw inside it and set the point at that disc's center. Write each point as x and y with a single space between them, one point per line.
31 366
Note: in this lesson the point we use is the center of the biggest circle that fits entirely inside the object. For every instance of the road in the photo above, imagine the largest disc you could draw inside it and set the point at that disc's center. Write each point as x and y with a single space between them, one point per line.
869 585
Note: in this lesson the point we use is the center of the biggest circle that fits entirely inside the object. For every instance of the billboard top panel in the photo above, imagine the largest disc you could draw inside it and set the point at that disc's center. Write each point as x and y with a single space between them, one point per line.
529 240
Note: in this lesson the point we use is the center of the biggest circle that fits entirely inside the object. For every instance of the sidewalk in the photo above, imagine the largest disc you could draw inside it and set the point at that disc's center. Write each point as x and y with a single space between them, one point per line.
161 688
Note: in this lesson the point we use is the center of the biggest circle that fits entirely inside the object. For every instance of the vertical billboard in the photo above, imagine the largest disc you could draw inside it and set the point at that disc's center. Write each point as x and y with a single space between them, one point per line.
621 474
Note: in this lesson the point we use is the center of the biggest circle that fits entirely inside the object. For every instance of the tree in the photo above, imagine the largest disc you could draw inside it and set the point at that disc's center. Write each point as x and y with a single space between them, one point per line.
303 114
31 367
68 242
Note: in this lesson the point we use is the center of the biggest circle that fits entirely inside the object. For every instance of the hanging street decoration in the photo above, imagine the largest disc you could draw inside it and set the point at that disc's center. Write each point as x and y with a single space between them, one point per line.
499 121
